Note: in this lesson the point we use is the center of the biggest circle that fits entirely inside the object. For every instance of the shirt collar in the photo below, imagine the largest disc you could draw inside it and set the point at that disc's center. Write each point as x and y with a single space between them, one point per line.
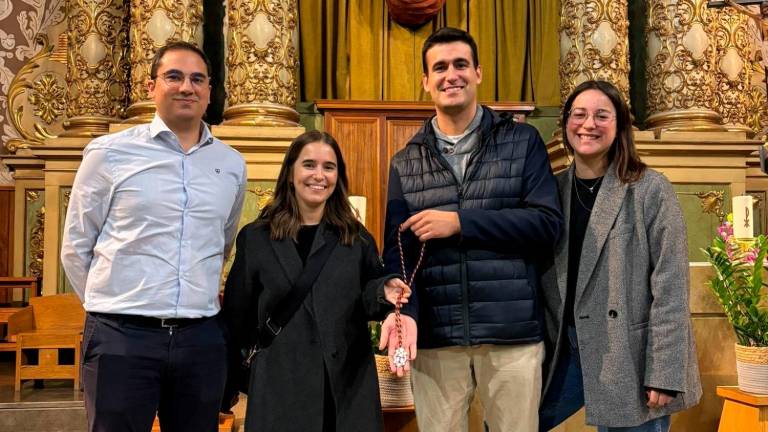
158 126
474 124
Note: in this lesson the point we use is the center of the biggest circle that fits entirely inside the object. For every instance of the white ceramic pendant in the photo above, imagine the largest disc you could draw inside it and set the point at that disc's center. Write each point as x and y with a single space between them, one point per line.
400 357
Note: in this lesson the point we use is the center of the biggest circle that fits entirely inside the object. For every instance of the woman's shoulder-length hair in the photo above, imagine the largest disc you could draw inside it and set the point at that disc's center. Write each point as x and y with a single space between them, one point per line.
623 153
282 212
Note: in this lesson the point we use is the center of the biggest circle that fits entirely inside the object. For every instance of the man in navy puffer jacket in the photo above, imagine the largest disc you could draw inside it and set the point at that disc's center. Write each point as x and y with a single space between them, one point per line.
478 188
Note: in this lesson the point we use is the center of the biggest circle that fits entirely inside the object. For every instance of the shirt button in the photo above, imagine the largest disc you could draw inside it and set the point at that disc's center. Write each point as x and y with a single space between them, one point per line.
448 150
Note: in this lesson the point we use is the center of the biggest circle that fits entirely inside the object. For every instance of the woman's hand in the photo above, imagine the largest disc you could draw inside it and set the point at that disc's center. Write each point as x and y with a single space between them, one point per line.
393 288
657 399
390 341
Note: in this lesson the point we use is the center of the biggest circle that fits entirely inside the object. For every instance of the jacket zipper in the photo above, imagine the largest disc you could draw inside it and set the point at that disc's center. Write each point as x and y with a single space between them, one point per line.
463 272
462 254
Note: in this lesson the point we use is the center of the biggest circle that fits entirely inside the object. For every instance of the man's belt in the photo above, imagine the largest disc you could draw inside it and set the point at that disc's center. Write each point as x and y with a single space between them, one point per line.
150 322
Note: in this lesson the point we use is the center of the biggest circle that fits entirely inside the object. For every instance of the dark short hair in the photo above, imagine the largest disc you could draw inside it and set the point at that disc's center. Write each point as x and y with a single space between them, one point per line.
282 212
629 167
177 46
447 35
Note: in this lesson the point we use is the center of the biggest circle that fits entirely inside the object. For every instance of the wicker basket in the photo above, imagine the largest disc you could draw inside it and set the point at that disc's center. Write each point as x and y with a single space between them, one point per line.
394 391
752 369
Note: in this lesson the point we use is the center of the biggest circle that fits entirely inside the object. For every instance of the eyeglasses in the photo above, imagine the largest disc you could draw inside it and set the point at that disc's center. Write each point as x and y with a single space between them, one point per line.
601 117
176 79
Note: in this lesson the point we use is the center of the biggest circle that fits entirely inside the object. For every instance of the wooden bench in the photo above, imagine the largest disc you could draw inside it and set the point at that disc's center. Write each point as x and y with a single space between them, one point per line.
8 284
48 325
27 285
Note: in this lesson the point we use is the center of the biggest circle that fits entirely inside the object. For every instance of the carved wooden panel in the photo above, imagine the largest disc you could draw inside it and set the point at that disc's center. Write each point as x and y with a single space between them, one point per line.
399 132
370 133
358 137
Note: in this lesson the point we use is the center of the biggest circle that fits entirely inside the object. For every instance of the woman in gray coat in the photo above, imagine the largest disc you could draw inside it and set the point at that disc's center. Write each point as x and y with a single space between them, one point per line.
316 372
616 295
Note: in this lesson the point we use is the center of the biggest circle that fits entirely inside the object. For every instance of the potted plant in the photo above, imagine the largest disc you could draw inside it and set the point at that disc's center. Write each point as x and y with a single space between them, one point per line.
394 391
738 285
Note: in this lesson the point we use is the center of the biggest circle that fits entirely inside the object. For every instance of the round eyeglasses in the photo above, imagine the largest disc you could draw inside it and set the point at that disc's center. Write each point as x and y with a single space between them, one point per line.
176 79
600 117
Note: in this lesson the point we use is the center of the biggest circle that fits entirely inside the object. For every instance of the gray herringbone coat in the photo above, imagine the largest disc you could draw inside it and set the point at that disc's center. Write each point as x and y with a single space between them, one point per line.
631 302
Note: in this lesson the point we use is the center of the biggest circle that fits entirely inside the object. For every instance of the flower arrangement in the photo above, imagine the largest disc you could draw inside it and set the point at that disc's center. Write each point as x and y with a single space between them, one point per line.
738 283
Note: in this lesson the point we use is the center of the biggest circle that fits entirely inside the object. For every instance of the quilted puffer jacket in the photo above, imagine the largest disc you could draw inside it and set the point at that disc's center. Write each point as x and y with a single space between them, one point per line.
479 287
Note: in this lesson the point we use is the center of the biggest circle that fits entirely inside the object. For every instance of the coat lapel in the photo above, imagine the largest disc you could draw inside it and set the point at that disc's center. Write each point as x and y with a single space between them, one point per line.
289 258
561 251
604 212
319 241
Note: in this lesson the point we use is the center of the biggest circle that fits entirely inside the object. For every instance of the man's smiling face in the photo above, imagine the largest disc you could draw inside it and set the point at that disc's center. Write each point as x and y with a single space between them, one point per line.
181 91
451 77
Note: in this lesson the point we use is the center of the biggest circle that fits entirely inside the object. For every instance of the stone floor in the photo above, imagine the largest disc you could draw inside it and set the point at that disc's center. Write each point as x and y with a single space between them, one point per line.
56 407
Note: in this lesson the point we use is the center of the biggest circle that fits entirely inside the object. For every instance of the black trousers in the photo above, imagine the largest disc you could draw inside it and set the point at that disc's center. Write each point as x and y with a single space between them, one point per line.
131 372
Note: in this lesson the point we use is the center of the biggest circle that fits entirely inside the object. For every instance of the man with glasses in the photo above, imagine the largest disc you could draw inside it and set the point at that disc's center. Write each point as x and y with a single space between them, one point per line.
478 189
152 215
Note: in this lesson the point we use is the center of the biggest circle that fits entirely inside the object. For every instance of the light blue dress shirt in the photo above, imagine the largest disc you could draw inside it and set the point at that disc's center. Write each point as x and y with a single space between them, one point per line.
148 226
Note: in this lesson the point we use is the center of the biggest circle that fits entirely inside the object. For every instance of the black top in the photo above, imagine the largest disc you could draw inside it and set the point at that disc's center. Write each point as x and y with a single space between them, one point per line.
583 195
304 240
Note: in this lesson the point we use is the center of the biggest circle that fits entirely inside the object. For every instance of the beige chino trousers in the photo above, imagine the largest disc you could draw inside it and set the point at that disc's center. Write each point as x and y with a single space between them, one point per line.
507 379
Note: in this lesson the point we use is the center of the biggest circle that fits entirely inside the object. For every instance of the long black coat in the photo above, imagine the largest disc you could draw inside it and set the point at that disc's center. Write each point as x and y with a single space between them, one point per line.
329 331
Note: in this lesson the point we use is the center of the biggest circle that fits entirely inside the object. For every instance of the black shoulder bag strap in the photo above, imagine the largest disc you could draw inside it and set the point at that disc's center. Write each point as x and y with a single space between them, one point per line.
288 306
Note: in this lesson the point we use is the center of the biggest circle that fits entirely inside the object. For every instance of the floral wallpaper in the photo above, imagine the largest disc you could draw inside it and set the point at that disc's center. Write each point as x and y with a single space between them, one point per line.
20 22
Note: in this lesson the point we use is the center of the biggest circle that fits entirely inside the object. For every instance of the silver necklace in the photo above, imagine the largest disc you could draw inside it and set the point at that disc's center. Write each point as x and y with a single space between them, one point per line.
590 188
578 197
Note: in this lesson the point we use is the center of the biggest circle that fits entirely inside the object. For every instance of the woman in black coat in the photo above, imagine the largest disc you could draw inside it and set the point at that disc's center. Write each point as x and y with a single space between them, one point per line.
317 373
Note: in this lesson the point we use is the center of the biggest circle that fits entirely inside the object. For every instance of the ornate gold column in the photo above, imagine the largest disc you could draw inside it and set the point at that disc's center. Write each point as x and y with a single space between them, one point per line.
153 24
594 44
757 104
681 66
262 63
734 49
97 67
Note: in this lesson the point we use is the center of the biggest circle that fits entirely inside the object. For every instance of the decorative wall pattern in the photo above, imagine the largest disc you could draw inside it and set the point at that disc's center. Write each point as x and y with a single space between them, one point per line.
34 232
681 64
262 61
757 111
257 195
20 23
262 57
37 97
153 23
63 285
594 44
97 64
703 205
733 74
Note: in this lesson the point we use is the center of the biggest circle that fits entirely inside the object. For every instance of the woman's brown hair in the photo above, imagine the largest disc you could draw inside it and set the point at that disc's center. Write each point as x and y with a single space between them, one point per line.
629 167
282 212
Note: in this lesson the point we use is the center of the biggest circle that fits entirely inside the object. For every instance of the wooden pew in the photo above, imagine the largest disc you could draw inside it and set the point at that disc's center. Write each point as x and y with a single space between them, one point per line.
8 285
48 325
